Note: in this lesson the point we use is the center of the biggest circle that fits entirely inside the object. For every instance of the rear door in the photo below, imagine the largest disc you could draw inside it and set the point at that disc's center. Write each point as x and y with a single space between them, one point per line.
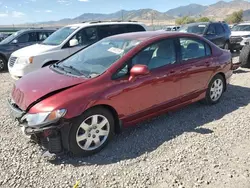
196 59
221 35
211 34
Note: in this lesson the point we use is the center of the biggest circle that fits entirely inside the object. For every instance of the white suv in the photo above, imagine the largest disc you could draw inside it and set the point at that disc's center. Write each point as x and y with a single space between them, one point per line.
240 36
65 42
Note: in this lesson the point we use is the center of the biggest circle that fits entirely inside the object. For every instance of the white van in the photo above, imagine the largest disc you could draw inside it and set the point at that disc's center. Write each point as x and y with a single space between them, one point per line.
65 42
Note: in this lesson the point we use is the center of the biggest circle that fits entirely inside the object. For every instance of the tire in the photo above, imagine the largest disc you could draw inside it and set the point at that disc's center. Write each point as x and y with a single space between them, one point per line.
87 135
245 56
3 64
218 84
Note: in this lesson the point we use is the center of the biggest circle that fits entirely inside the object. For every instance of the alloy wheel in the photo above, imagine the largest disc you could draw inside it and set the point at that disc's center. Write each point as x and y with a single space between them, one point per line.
1 64
216 90
92 132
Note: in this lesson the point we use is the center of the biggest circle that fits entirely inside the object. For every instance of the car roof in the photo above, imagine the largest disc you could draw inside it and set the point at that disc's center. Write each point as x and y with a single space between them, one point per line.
246 23
84 24
146 35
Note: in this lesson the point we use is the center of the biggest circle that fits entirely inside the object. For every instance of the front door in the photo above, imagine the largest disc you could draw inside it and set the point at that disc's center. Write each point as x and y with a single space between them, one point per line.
159 89
85 37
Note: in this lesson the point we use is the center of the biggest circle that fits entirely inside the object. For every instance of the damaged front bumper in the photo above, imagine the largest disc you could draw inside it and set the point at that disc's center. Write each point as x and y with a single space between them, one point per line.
51 137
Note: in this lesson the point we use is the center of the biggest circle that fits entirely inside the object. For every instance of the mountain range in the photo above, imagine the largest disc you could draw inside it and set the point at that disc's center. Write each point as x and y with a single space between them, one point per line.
217 11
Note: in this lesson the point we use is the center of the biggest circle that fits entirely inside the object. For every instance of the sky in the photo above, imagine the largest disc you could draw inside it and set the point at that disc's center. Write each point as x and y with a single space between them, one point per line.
32 11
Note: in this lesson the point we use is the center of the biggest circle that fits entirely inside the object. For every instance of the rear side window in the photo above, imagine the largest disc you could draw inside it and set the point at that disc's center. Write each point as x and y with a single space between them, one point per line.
211 30
219 29
193 49
135 28
43 35
109 30
27 37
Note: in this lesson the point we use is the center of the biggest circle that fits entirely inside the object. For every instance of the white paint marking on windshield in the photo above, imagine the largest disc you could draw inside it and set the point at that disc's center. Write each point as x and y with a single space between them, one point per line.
115 50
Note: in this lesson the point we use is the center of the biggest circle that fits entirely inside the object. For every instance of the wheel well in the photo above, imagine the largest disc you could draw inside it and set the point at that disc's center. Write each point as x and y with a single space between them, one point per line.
49 63
224 77
118 124
3 56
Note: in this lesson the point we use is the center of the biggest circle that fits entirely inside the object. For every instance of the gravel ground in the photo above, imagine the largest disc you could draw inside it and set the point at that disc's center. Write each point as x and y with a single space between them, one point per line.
197 146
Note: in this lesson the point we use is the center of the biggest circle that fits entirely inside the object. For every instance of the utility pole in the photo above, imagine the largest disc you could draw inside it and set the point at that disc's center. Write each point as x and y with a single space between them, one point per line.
122 15
152 20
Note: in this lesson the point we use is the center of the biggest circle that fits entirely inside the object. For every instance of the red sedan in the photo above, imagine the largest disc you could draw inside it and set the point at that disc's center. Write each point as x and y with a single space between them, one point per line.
79 103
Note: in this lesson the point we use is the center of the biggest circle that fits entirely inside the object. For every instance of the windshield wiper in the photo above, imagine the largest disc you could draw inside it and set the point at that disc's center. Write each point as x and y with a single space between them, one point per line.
75 69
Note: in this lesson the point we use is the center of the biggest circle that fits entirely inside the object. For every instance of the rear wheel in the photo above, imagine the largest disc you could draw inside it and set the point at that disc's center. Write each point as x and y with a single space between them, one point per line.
91 132
245 56
3 64
215 90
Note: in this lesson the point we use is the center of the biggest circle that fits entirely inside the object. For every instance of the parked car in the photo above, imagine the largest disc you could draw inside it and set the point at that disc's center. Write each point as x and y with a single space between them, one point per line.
117 82
3 36
240 36
217 32
172 28
19 40
65 42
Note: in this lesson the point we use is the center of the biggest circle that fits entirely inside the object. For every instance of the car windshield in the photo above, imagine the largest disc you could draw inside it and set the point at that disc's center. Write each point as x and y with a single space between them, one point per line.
59 36
96 59
197 29
11 37
241 28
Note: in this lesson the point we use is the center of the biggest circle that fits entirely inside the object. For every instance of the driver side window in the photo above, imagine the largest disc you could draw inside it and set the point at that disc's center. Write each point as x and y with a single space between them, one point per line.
154 56
211 30
86 36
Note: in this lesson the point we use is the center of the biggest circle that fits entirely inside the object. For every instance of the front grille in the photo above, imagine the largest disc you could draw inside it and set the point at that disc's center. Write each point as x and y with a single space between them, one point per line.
12 61
236 39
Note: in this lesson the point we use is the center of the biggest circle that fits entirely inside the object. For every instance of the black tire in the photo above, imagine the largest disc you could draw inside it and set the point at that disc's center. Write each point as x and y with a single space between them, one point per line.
75 149
3 64
208 99
245 56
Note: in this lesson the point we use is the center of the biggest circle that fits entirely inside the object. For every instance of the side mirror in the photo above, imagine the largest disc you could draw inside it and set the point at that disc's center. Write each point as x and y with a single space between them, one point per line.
73 42
138 70
14 41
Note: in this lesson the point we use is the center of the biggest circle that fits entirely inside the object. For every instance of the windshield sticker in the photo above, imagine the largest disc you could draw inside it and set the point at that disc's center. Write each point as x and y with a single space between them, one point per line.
115 50
201 25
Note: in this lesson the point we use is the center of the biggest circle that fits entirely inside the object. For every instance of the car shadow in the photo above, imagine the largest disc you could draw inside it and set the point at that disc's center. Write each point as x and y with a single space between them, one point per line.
241 71
149 135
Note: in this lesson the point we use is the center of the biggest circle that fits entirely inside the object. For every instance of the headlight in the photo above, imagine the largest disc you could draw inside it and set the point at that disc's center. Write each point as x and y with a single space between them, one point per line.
24 60
246 36
43 118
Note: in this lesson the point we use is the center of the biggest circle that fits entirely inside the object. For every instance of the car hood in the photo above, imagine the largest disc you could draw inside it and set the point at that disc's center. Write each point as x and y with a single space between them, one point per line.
239 33
33 50
39 84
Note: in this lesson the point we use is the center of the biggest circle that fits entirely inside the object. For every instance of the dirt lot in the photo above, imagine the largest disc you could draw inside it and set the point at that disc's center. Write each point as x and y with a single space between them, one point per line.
198 146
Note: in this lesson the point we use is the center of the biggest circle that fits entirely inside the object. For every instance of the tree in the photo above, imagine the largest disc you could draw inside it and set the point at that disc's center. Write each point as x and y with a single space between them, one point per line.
184 20
236 17
203 19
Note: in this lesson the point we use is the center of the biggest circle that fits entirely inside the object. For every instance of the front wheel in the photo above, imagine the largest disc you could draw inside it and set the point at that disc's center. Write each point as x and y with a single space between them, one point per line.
91 132
3 64
215 90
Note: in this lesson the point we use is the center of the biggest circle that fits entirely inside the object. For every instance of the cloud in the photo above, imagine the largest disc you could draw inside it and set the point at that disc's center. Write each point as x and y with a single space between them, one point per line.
3 15
83 0
37 11
17 14
48 11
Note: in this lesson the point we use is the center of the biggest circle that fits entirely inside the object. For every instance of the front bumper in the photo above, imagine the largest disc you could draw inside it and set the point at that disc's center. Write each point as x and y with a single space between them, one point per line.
237 43
52 137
